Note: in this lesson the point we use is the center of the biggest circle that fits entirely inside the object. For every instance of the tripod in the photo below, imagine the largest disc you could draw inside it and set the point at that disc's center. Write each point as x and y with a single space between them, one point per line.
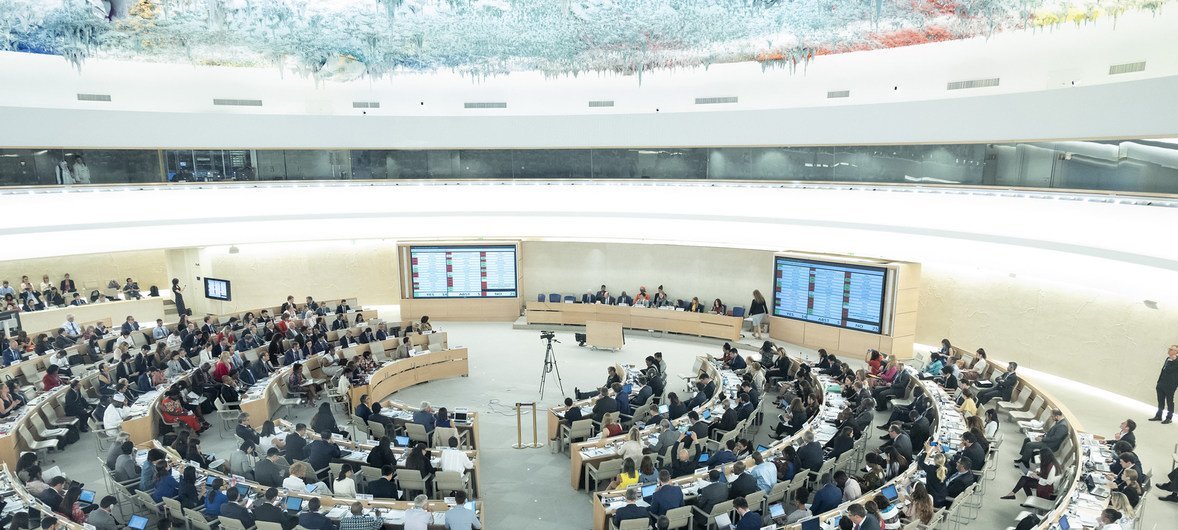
550 365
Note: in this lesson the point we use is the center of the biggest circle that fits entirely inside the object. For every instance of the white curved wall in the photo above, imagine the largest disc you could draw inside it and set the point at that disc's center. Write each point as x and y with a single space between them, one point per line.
1054 85
1045 280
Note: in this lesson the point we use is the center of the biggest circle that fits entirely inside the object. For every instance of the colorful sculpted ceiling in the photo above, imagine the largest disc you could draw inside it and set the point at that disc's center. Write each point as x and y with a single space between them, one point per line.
348 39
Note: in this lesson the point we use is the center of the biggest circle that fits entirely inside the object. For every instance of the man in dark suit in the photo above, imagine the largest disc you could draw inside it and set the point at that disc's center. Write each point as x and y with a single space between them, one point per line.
311 519
960 480
644 394
971 450
267 511
900 441
385 421
1052 439
271 470
743 484
362 410
684 463
698 426
631 510
827 497
809 455
130 325
571 413
896 389
749 520
296 445
863 520
244 431
727 421
604 405
54 494
667 497
918 428
233 510
712 494
339 323
625 299
1167 385
321 452
920 401
384 487
1003 386
623 400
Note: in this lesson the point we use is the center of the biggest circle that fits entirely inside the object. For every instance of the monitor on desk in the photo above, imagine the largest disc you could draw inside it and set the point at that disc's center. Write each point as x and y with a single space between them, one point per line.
761 448
648 490
137 522
294 504
811 524
890 493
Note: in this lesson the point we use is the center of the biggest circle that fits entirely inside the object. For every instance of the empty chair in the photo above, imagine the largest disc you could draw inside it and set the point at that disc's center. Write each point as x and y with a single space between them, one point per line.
411 480
719 509
417 432
448 481
680 517
568 299
540 297
554 298
738 311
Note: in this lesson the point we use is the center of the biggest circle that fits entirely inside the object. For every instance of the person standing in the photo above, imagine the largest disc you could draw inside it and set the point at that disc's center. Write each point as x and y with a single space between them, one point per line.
757 311
1167 384
63 174
81 172
178 297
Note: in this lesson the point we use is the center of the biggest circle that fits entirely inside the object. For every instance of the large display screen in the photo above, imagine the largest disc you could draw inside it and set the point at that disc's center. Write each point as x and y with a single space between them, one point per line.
835 294
217 289
463 271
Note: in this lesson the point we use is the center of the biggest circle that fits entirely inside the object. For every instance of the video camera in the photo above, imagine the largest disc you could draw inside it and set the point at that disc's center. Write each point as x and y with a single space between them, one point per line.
547 335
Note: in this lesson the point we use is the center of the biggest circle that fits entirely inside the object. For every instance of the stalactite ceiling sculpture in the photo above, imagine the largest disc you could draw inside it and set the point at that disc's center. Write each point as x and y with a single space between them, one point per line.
347 39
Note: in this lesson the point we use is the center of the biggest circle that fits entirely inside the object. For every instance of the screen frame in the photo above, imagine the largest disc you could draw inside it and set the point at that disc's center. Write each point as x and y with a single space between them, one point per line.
888 284
407 268
228 289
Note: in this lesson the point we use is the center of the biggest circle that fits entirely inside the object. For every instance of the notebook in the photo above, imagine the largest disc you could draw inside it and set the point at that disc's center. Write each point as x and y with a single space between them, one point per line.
138 522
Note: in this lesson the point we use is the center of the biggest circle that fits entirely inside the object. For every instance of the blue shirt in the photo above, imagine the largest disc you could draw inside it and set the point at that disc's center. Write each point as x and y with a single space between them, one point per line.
766 475
166 487
827 498
213 506
461 518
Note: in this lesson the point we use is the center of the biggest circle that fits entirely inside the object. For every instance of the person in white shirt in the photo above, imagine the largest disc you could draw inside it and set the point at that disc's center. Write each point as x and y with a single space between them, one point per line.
64 177
851 488
173 342
453 459
418 517
81 172
112 418
1109 520
294 481
345 485
72 329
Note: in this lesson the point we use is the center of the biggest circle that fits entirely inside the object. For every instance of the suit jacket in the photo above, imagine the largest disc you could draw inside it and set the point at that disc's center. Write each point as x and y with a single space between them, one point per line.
425 419
711 495
630 511
810 457
903 444
273 514
1055 436
752 521
976 455
626 299
102 520
826 499
321 453
296 447
1130 438
919 432
1168 378
624 404
314 521
233 510
840 445
869 523
382 488
743 485
665 498
957 483
604 406
728 421
900 383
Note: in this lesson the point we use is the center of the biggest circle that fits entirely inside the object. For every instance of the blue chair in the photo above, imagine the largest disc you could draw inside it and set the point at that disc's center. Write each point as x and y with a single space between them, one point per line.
569 299
738 312
554 298
540 297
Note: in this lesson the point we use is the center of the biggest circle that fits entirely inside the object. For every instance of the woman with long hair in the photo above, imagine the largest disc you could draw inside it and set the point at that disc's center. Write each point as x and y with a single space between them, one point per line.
178 297
921 507
718 307
758 309
647 473
215 498
382 454
1042 481
345 485
627 478
935 476
324 421
190 493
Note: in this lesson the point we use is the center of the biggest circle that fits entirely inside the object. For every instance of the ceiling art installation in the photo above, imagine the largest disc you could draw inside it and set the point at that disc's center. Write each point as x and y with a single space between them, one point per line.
348 39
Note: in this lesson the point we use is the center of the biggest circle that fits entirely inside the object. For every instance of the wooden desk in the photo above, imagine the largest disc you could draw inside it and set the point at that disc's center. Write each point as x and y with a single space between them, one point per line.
262 407
404 373
604 335
11 444
641 318
147 309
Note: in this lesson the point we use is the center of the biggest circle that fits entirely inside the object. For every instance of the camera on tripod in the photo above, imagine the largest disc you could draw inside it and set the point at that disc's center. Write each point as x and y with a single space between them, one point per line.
547 335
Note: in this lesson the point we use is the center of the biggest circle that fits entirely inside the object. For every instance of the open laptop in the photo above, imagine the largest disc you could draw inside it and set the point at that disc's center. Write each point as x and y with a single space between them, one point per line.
761 448
243 490
401 441
137 522
776 511
648 490
707 415
811 524
86 497
663 409
703 458
294 504
890 493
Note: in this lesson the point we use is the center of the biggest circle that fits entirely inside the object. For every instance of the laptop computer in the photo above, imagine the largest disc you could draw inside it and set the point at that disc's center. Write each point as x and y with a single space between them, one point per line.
703 458
460 416
209 480
776 510
243 490
761 448
294 504
648 490
137 522
889 493
663 409
707 415
401 441
811 524
86 497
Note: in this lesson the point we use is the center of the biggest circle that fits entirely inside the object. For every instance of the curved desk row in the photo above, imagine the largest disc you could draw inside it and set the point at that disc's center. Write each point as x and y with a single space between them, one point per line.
327 502
9 480
16 431
636 317
146 309
589 452
1031 398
